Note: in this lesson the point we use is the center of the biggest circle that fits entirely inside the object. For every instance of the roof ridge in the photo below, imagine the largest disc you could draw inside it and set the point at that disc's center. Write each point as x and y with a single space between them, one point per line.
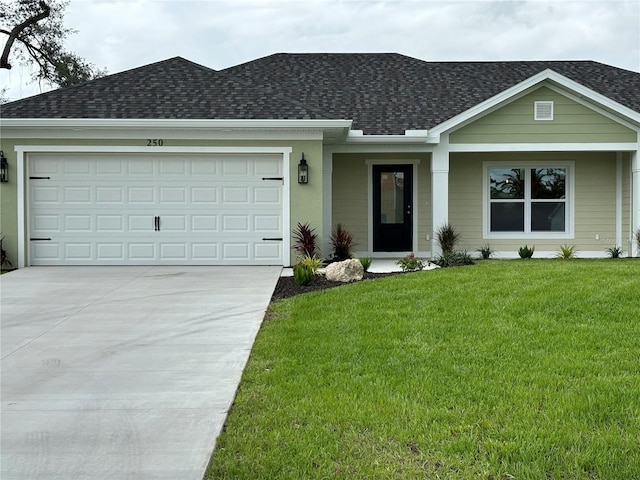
111 76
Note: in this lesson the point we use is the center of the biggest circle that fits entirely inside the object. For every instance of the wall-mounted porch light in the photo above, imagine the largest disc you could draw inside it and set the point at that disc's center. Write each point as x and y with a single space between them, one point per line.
4 168
303 171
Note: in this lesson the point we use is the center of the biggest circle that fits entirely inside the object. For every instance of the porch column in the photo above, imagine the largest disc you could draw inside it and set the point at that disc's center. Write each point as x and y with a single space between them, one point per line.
635 202
327 201
439 190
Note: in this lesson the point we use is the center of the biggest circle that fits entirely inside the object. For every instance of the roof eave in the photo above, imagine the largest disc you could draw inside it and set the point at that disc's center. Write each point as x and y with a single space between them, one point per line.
524 87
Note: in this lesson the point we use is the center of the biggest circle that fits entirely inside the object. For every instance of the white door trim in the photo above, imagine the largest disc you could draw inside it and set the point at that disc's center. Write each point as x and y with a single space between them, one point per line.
370 164
22 152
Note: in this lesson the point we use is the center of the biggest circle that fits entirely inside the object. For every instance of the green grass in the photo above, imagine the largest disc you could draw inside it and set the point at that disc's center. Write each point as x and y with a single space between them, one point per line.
506 369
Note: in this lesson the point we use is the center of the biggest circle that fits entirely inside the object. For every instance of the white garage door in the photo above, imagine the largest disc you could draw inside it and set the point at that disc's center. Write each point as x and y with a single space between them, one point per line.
133 209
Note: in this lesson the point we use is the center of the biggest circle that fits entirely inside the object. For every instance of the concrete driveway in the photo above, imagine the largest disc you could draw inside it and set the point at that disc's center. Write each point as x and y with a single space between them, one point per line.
123 372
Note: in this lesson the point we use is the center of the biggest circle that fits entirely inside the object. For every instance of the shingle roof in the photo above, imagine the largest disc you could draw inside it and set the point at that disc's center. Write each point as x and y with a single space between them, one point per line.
171 89
383 93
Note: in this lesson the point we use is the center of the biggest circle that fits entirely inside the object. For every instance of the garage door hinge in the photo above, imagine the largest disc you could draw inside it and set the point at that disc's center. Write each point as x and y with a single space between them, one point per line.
274 178
40 239
272 239
39 178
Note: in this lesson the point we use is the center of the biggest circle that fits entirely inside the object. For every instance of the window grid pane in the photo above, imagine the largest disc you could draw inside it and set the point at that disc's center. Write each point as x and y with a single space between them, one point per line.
543 206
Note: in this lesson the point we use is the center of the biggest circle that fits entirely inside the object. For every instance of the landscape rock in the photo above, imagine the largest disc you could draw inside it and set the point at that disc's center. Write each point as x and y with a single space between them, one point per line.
346 271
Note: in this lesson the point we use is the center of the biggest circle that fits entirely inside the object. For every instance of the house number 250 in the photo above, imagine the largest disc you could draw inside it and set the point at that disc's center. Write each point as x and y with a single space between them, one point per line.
154 142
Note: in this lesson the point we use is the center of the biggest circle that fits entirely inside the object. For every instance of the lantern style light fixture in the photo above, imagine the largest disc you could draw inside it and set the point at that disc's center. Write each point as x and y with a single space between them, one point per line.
4 168
303 171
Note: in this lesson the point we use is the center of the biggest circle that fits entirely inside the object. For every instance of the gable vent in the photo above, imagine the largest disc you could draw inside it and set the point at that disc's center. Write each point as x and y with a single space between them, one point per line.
543 111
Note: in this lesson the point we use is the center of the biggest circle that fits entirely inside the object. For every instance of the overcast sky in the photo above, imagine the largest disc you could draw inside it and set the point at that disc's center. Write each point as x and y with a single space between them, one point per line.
119 35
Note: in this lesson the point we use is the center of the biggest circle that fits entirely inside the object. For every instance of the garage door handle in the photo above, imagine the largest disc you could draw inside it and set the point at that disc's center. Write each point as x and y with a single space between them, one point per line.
40 239
272 239
157 223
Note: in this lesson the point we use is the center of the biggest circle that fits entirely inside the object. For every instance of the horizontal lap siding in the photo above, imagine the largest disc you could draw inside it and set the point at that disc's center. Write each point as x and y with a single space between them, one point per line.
350 197
465 199
350 194
595 199
572 123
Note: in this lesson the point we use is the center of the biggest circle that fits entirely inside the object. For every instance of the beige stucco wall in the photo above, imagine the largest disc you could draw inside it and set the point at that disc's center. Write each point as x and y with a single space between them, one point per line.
595 199
572 123
350 194
306 200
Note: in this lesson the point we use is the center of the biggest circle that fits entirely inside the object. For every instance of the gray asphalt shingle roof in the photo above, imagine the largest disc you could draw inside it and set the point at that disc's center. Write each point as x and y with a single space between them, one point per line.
383 94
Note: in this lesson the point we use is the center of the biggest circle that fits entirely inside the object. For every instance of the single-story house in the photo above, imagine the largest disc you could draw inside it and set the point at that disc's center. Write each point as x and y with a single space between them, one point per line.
176 163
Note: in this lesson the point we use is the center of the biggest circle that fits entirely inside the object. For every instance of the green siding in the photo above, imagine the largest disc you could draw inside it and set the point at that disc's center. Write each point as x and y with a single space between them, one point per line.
572 123
350 194
306 200
595 199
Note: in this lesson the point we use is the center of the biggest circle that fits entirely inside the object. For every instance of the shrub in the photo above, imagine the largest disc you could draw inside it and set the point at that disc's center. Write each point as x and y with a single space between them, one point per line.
305 240
447 237
302 274
4 257
454 259
312 263
366 263
566 252
526 252
614 252
486 251
342 243
410 263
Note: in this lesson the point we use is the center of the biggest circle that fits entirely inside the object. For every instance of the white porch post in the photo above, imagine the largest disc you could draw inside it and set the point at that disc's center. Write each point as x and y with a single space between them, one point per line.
327 200
635 204
439 190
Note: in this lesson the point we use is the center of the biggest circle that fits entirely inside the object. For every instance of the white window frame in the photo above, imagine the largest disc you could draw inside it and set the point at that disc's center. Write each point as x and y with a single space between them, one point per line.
527 233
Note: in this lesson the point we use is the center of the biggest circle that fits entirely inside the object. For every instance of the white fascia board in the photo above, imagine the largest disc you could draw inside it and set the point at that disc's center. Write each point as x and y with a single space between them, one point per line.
543 147
153 128
170 123
387 139
524 87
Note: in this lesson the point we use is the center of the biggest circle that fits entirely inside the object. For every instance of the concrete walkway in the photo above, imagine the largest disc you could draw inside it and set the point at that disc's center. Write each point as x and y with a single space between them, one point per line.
122 372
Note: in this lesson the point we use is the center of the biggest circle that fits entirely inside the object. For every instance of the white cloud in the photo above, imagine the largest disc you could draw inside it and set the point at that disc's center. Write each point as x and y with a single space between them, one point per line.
119 34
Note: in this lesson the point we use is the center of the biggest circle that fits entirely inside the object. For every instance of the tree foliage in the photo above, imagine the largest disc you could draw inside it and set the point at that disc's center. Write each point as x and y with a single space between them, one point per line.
35 35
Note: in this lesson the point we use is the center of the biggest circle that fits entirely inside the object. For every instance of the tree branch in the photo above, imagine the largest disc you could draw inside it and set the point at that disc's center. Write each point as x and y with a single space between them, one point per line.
18 29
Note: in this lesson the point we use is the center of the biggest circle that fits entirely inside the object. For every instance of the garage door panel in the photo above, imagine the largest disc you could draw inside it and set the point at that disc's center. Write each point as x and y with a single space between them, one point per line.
267 195
80 166
211 209
204 223
235 195
141 195
79 251
204 195
109 195
78 223
109 223
45 195
42 224
110 251
139 166
173 223
207 252
77 195
142 251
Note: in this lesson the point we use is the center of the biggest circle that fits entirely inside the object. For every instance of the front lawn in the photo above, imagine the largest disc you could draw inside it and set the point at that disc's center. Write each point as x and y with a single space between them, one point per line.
507 369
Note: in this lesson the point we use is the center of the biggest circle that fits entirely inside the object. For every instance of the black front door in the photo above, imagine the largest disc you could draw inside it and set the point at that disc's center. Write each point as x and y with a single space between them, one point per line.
392 205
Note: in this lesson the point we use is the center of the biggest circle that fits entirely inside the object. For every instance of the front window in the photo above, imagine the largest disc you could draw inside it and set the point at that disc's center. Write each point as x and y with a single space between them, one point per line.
531 199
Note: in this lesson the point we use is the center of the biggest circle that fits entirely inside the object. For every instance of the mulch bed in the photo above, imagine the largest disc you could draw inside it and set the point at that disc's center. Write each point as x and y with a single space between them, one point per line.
287 286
